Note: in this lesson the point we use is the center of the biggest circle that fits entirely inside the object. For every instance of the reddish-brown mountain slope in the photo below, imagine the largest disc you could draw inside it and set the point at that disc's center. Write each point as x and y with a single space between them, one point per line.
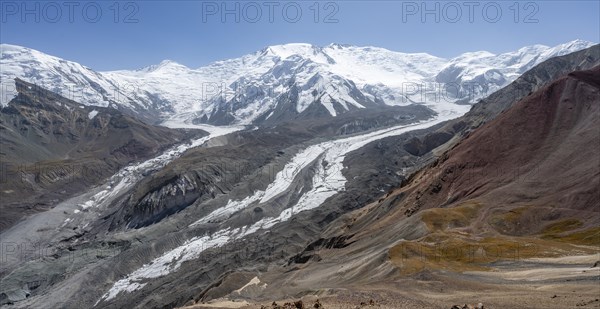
543 152
523 185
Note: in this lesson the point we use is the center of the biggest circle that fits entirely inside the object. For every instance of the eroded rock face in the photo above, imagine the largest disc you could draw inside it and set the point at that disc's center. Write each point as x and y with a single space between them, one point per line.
164 197
555 119
418 147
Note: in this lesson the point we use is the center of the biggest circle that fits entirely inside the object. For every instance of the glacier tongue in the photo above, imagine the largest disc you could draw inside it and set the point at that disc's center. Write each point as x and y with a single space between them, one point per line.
326 182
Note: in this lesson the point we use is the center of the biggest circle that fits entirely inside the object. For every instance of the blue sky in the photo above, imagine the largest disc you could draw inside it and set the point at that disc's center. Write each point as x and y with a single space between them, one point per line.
127 35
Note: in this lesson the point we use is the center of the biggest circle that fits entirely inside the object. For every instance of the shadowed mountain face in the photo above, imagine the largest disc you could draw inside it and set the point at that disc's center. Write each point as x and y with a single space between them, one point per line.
53 147
537 153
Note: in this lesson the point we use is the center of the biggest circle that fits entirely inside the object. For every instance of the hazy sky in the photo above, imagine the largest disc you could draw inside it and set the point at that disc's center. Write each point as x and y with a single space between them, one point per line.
126 35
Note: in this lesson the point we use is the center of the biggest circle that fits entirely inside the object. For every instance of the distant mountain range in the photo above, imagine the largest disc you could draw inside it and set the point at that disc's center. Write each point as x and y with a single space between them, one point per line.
279 82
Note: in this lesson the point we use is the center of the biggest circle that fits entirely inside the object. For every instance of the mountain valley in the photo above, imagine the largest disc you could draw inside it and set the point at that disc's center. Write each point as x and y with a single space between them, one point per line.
334 175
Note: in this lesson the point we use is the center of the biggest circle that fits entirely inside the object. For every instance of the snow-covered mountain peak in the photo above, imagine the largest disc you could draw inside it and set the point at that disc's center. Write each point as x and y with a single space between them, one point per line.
566 48
299 51
164 65
14 53
532 48
472 56
67 78
286 50
338 45
491 72
575 44
11 48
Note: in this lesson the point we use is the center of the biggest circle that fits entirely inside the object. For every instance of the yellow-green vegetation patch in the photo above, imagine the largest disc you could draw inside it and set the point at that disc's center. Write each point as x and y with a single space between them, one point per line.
504 222
561 226
450 246
438 219
456 252
587 237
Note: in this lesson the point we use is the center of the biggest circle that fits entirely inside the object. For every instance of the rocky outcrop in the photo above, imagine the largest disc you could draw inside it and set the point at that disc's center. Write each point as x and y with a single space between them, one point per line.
418 147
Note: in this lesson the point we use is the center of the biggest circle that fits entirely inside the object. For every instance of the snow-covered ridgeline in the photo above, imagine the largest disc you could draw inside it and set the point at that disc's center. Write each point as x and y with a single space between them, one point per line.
327 181
339 77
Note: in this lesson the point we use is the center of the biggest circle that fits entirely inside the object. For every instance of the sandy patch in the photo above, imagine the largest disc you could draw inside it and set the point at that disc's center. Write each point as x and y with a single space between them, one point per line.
254 281
219 304
541 274
576 259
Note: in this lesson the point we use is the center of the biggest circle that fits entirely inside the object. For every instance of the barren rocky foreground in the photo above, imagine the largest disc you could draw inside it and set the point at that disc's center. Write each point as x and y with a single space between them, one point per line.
566 282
